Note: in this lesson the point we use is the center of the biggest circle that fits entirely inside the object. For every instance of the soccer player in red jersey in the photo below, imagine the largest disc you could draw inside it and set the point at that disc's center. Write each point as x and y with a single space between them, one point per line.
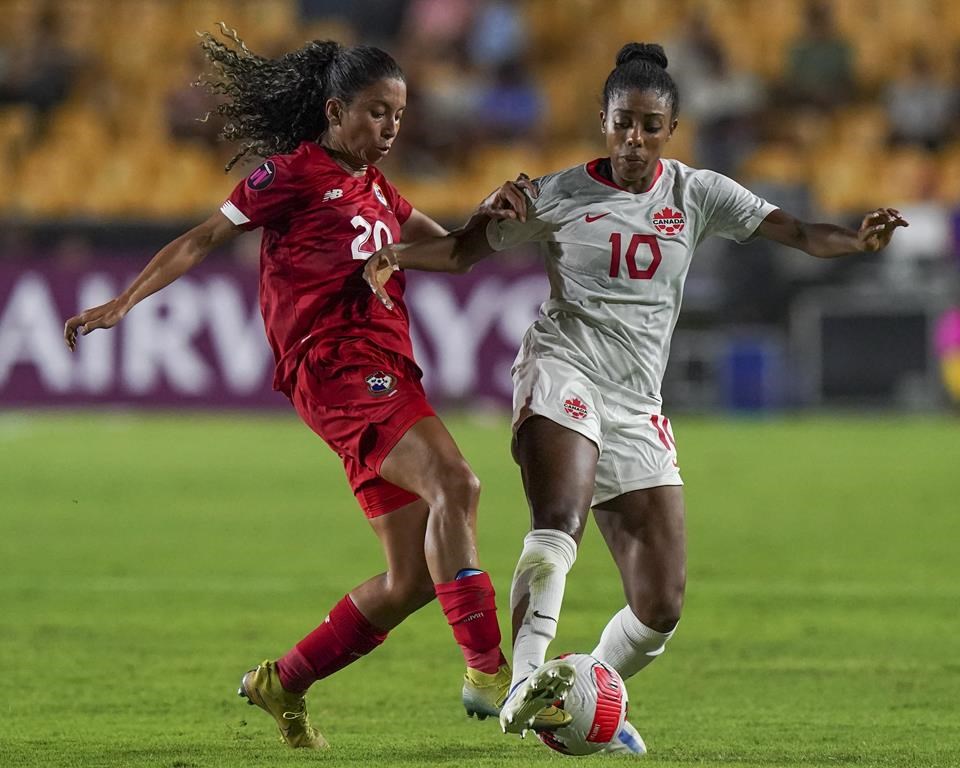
323 116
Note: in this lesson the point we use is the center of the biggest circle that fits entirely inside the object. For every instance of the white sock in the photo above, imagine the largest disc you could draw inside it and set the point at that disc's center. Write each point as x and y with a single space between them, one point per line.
628 645
539 579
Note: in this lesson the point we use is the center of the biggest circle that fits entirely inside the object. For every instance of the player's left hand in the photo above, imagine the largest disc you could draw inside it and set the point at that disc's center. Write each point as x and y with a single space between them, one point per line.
877 228
508 200
378 270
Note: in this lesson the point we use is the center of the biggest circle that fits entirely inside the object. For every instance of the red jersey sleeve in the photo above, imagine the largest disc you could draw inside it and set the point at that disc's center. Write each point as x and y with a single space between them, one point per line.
398 203
270 193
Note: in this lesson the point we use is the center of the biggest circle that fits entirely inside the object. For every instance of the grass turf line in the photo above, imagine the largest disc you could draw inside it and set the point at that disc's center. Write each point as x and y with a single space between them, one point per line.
148 561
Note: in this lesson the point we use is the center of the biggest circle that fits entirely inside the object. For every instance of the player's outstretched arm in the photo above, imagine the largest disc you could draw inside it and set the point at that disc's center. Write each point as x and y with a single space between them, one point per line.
827 241
455 251
171 261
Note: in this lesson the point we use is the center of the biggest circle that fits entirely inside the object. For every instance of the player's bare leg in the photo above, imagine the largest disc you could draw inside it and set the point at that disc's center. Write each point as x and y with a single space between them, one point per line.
406 586
427 462
558 467
363 619
645 532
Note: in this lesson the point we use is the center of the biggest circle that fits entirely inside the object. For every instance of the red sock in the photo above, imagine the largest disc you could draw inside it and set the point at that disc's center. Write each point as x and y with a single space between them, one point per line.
470 607
344 637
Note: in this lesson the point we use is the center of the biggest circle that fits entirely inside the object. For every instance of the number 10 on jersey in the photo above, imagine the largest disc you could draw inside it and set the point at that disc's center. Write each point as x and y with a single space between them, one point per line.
635 273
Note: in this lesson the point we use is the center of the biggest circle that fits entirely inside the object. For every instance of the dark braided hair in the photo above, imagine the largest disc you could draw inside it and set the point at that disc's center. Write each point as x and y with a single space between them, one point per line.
642 67
274 104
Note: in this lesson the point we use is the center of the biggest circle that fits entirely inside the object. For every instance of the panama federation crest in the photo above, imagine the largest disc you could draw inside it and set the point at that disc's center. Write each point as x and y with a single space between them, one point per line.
380 384
668 221
380 196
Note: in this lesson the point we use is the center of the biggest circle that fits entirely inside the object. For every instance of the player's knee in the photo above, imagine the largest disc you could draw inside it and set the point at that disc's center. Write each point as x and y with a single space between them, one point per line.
662 612
559 516
459 487
659 607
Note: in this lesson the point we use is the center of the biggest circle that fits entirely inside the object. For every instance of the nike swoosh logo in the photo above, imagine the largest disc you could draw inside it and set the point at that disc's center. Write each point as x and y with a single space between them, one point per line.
541 616
590 219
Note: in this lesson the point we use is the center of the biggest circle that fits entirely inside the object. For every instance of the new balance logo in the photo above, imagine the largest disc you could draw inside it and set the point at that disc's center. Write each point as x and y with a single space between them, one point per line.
590 218
332 194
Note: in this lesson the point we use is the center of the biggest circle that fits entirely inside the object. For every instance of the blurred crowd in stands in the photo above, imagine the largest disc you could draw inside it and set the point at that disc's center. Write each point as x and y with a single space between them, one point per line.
828 108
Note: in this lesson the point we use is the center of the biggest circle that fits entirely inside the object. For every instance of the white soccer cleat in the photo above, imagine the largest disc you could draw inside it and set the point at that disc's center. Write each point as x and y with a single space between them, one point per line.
546 684
627 742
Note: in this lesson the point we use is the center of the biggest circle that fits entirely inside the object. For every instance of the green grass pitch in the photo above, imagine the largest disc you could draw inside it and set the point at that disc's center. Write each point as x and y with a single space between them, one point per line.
148 561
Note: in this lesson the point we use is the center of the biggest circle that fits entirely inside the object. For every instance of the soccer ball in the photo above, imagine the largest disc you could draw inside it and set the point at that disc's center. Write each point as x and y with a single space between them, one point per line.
598 703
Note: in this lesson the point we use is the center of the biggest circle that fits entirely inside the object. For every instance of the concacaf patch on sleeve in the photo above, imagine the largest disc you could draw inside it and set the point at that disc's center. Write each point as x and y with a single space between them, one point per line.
262 176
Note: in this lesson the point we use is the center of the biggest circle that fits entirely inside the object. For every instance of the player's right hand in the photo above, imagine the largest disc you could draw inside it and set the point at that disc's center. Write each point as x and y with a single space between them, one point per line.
105 316
508 200
378 270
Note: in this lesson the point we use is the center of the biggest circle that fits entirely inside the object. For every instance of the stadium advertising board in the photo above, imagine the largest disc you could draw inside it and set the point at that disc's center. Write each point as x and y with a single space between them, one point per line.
200 341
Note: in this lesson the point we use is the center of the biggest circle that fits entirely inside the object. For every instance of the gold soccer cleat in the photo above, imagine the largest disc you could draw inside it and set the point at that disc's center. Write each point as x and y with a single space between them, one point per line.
261 686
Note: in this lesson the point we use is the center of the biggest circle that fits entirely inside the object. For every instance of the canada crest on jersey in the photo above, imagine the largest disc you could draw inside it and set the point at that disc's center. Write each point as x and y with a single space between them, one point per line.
668 221
380 196
380 383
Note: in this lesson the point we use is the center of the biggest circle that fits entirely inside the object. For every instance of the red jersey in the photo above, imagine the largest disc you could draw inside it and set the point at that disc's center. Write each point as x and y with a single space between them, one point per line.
320 224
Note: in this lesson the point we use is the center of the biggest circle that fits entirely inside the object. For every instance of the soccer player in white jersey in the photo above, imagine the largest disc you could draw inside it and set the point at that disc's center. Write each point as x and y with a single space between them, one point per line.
618 234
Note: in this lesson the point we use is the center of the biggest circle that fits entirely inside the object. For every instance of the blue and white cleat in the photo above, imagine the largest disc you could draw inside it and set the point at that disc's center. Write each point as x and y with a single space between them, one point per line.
530 703
627 742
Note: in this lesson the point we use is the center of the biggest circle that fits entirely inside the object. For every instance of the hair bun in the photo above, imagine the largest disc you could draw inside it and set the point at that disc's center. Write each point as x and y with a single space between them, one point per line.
651 52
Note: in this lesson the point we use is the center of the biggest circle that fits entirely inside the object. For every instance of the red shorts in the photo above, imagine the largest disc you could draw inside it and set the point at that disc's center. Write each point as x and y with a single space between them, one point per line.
361 400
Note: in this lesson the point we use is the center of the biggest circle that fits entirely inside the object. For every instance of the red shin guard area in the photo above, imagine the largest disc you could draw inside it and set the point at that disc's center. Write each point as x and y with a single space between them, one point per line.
343 637
471 610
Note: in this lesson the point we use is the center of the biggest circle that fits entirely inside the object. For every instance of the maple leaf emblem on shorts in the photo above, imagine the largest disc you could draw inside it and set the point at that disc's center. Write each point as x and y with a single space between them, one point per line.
668 221
575 408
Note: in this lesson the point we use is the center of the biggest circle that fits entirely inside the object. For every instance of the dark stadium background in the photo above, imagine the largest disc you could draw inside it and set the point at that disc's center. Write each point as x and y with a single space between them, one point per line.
828 109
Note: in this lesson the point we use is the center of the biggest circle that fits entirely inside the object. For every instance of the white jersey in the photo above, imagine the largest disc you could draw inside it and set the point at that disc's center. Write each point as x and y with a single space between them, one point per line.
617 262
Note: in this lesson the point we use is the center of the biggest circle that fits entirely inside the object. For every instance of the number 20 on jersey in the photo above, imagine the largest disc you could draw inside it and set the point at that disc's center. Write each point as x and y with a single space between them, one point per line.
379 232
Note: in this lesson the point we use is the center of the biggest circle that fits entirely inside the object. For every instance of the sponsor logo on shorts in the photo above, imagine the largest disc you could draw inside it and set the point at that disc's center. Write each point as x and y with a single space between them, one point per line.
262 176
668 221
380 384
575 408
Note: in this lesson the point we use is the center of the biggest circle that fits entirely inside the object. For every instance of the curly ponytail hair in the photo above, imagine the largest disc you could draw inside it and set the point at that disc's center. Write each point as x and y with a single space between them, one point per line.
274 104
642 67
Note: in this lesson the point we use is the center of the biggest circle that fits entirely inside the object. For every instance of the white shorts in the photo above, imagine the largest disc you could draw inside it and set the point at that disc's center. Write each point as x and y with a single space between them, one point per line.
637 448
